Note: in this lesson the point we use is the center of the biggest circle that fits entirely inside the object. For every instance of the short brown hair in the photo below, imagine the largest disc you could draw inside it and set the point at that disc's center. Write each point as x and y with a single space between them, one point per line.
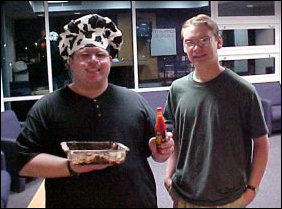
201 19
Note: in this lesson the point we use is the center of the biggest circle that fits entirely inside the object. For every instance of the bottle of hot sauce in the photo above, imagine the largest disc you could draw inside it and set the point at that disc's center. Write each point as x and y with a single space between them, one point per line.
160 127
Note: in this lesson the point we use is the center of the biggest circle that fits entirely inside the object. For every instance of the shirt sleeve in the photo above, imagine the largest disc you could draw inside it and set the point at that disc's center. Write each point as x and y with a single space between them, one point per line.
149 124
169 113
256 121
30 142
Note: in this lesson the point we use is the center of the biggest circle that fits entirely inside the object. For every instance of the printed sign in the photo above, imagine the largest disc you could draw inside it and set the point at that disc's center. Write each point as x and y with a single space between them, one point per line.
163 42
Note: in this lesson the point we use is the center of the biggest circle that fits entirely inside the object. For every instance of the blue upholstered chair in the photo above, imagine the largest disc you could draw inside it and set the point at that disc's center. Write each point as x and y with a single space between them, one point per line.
270 94
5 182
10 129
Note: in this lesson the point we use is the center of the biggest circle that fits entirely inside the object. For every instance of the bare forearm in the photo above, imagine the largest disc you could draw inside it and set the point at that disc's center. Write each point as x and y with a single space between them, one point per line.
46 166
260 158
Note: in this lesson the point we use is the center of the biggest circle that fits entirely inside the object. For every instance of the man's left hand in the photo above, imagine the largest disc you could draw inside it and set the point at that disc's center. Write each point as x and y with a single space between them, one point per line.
249 196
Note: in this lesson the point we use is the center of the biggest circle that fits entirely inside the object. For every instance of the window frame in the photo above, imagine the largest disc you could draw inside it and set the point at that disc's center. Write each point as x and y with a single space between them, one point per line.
246 19
256 78
252 52
274 47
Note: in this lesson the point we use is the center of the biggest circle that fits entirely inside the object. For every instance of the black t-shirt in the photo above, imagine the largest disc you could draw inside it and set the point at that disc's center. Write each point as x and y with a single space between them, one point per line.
215 123
119 115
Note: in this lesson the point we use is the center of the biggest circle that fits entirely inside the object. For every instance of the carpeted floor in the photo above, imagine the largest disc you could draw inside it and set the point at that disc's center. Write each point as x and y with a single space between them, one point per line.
22 199
269 195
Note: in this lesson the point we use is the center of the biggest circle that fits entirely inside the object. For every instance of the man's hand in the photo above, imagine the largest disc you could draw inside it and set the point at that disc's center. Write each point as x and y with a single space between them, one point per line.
167 183
161 152
88 168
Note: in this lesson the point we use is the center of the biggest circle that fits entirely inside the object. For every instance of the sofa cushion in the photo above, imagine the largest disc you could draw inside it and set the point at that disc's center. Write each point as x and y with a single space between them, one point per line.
10 125
276 113
270 91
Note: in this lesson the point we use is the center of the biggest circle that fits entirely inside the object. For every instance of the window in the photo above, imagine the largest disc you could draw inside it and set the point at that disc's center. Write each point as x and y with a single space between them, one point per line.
24 69
245 8
248 37
251 38
246 67
161 58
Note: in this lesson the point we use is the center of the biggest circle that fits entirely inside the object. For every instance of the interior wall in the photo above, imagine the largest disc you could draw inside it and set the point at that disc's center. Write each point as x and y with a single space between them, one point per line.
126 51
149 65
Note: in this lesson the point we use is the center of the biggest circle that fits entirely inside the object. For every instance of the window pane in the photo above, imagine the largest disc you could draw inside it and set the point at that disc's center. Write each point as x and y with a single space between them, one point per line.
23 64
119 12
251 66
245 8
248 37
161 58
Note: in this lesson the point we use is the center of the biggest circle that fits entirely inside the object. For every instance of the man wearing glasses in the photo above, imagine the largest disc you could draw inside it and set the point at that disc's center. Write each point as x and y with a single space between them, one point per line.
91 109
216 117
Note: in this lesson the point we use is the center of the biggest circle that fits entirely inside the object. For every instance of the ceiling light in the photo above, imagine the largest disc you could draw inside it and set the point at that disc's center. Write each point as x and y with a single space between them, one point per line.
55 2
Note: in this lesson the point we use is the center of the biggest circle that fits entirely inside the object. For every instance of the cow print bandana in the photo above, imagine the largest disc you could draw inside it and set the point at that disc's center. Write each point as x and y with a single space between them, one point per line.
90 30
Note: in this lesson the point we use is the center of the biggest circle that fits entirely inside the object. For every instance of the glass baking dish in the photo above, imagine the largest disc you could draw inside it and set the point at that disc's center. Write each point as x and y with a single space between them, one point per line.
86 153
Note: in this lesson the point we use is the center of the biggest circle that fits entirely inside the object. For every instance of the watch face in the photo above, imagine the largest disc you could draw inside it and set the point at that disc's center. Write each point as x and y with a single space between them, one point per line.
53 36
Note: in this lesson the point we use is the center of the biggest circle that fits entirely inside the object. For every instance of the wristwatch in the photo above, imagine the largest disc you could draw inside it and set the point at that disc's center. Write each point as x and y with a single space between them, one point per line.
71 172
255 189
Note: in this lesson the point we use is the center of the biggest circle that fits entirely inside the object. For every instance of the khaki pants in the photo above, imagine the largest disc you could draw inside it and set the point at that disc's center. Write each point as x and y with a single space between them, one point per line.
179 202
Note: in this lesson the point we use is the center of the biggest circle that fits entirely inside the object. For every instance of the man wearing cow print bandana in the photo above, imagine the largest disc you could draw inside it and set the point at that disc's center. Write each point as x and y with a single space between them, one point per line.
91 109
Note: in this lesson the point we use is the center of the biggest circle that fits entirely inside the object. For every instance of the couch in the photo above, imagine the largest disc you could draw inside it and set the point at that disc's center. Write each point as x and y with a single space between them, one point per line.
10 129
270 94
5 182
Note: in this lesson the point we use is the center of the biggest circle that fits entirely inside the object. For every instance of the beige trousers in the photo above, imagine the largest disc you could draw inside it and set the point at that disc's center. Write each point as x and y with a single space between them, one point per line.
179 202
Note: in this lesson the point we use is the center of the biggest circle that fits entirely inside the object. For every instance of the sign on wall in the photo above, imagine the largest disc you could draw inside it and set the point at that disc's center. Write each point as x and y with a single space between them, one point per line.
163 42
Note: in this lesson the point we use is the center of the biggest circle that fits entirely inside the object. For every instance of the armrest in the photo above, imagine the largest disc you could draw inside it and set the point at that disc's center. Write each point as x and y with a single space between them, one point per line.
267 109
9 147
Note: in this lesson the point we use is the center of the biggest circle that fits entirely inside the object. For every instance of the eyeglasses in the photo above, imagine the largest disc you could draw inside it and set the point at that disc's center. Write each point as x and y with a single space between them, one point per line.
88 56
203 42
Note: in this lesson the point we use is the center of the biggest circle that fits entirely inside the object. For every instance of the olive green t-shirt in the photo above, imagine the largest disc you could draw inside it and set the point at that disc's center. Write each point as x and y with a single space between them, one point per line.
214 123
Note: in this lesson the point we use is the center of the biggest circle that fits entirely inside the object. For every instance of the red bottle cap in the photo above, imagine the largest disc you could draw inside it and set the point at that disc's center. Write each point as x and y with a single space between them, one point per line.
159 109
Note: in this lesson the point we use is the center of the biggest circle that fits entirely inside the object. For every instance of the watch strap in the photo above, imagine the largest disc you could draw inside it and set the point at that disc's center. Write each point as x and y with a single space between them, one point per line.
255 189
71 171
